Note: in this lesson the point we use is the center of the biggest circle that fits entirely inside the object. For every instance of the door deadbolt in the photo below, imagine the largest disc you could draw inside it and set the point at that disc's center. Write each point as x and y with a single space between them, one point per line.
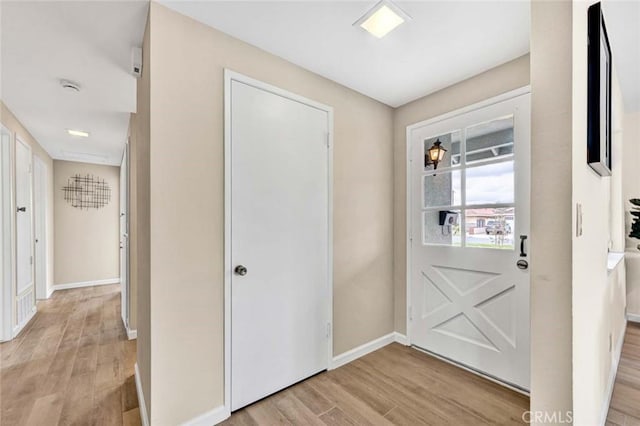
240 270
522 264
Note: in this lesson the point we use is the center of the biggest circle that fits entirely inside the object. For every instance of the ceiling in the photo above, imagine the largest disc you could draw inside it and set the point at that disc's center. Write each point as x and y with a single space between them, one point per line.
88 42
622 18
445 42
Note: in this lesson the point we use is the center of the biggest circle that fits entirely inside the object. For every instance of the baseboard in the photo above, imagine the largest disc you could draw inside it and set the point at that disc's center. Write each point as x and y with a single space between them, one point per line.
213 417
401 339
50 291
132 334
143 406
362 350
612 375
633 317
82 284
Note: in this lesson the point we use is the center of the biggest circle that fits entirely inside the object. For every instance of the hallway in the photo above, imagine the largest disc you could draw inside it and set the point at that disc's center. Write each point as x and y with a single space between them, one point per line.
72 364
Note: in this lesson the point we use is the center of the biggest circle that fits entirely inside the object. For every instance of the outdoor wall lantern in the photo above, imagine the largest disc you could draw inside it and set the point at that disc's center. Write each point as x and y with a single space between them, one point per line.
435 154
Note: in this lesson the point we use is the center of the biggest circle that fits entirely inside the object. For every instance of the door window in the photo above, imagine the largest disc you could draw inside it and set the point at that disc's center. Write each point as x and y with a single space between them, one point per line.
473 188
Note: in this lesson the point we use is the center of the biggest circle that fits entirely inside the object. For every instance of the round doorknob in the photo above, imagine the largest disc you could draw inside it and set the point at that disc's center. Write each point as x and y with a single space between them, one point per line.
240 270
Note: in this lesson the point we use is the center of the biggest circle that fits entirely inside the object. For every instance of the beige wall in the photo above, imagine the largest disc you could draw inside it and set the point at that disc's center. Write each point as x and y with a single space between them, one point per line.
87 240
506 77
631 189
139 138
13 124
186 124
551 333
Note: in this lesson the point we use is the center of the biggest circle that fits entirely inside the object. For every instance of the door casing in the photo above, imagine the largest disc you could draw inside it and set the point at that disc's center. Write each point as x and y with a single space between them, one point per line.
124 240
230 76
7 241
41 206
409 231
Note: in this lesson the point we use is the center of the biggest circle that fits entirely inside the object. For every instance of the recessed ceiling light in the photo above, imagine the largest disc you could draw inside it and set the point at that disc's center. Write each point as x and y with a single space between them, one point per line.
382 18
78 133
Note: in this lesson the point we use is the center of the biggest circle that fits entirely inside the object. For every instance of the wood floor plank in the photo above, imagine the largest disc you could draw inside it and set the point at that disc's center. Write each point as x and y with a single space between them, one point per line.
71 365
394 385
624 409
336 417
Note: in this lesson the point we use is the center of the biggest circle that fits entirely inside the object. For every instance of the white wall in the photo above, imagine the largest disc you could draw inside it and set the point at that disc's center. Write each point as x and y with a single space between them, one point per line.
598 299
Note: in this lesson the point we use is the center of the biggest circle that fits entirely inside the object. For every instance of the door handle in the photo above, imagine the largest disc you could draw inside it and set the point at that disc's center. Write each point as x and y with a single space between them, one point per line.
522 240
240 270
22 209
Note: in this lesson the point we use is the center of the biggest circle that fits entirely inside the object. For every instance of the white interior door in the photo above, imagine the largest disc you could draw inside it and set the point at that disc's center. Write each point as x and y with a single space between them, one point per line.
124 237
279 194
6 215
25 291
469 298
40 183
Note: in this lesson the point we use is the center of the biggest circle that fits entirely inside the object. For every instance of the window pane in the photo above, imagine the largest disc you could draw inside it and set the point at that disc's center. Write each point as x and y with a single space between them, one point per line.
447 234
442 189
490 228
450 142
490 184
490 140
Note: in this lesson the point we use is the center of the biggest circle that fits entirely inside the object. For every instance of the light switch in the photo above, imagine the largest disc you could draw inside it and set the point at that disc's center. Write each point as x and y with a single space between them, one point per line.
578 220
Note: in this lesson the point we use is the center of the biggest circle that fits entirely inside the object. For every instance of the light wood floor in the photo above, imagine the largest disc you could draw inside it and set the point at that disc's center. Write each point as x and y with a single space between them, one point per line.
394 385
625 402
72 365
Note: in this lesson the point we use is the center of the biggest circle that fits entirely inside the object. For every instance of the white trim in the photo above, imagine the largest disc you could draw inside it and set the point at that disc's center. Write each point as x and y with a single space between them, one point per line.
408 235
18 328
132 334
401 339
229 76
40 206
478 105
612 375
8 241
362 350
141 403
50 291
213 417
82 284
633 317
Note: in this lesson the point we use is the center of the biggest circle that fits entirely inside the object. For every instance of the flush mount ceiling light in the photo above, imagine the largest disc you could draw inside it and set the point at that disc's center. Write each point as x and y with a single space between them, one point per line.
79 133
382 18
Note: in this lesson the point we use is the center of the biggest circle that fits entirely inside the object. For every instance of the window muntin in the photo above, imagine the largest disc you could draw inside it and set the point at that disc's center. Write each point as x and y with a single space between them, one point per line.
476 180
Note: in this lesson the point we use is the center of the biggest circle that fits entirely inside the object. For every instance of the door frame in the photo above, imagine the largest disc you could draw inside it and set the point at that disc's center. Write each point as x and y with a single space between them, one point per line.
409 233
125 285
8 240
230 76
38 163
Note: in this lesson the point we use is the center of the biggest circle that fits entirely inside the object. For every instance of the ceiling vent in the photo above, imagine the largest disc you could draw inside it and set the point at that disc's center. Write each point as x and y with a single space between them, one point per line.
70 86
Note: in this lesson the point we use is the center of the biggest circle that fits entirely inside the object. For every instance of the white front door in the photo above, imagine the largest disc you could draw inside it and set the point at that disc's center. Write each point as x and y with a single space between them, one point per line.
124 237
24 292
469 218
279 194
40 182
